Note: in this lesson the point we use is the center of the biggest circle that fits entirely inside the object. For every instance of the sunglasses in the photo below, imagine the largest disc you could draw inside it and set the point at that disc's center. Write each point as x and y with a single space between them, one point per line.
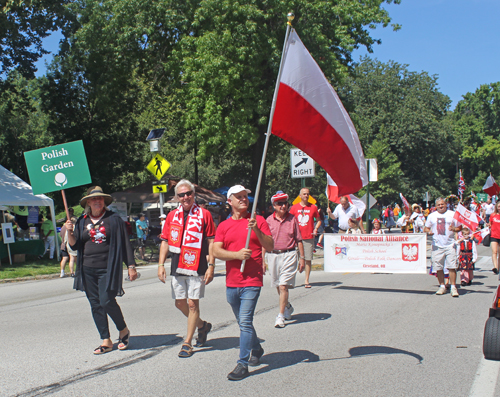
281 203
181 195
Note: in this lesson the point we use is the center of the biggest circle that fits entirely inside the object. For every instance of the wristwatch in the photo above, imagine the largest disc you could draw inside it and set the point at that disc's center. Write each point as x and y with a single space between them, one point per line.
211 264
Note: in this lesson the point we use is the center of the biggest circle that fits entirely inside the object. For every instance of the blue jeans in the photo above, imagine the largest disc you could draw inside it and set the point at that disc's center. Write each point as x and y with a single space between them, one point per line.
243 302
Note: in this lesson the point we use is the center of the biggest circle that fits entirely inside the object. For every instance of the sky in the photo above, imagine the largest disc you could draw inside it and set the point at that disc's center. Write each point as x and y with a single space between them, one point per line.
457 40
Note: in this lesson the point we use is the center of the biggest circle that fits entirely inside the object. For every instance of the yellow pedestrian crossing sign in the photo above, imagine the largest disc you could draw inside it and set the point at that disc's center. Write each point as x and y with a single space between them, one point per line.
159 188
158 166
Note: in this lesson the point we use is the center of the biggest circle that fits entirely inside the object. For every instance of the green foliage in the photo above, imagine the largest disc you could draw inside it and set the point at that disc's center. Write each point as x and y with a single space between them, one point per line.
477 124
23 25
403 114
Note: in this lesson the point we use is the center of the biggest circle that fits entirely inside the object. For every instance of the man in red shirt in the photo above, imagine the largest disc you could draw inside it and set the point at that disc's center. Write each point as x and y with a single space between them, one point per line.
243 288
305 212
282 261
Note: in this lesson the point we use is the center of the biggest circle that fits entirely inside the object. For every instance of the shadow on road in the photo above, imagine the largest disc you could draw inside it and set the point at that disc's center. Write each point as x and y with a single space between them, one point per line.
230 342
323 283
285 359
402 291
359 351
141 342
308 318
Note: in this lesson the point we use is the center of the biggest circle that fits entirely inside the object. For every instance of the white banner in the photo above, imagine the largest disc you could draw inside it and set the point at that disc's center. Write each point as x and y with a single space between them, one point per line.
380 253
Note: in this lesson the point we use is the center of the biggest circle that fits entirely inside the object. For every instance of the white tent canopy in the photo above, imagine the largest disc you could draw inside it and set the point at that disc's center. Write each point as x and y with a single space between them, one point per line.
14 191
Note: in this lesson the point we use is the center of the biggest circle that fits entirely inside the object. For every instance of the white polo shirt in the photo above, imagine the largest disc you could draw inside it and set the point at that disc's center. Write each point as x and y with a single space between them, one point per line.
345 215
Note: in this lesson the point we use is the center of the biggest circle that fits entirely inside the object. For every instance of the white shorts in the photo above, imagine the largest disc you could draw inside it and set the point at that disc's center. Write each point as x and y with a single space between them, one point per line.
188 287
283 268
440 256
308 249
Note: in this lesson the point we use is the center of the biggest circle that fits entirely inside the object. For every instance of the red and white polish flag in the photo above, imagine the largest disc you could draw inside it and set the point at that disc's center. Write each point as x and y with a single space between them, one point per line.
406 204
332 192
481 234
466 217
491 187
310 116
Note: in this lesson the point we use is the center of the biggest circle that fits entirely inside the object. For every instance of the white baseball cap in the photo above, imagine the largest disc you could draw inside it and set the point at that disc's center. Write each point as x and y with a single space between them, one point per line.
236 189
162 216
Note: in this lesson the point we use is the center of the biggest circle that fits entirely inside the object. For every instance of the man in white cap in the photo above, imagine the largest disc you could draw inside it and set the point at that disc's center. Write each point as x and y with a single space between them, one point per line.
282 260
163 217
243 288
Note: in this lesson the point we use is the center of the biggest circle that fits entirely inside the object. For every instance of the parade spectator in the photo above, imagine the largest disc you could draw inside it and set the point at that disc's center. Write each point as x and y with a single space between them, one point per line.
49 235
467 256
389 218
67 252
103 246
309 222
243 287
377 227
494 224
188 235
141 227
283 259
441 226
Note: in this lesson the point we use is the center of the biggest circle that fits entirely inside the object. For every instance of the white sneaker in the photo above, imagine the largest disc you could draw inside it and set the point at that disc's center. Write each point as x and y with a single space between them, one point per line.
280 321
454 292
288 311
62 274
441 291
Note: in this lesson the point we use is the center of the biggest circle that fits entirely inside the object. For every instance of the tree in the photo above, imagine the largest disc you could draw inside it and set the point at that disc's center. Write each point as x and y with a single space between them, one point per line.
23 25
476 121
405 113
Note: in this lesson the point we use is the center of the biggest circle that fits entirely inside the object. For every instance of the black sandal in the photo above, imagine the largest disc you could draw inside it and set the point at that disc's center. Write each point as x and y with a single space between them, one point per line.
123 341
202 334
102 349
186 350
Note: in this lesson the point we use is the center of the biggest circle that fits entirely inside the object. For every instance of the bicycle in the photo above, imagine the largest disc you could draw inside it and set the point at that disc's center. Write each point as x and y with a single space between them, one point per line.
151 249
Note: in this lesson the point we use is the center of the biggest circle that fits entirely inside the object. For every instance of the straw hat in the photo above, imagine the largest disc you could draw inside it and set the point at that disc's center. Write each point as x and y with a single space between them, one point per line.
96 191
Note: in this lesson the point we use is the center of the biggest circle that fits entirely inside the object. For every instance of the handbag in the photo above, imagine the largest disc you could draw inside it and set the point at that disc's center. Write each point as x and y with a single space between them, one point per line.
486 241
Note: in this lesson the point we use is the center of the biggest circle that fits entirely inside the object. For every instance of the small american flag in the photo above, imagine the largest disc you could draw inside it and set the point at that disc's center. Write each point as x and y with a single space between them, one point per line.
461 185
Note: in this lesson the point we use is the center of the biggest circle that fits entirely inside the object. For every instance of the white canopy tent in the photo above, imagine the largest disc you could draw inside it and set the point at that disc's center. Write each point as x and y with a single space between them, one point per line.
14 191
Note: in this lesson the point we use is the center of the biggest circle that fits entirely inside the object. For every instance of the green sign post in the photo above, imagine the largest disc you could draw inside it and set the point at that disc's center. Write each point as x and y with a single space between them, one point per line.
57 167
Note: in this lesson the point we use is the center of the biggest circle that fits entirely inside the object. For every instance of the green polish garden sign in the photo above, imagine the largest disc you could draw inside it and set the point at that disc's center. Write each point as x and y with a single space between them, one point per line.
58 167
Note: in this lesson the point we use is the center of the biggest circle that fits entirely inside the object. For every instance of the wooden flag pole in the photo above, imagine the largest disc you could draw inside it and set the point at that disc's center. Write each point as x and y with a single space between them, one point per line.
290 18
65 204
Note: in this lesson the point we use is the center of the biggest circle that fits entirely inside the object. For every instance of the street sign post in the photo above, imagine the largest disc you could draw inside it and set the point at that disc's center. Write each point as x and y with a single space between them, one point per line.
302 165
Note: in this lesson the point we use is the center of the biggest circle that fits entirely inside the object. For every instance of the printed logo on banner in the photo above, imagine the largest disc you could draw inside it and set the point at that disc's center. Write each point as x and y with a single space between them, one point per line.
410 252
467 214
340 250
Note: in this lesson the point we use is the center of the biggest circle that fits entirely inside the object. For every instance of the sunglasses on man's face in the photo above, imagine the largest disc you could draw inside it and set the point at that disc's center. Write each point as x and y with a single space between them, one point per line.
281 203
181 195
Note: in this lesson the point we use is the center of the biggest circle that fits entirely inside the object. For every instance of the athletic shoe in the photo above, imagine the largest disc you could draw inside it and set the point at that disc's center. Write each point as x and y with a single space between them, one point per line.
319 245
239 373
288 311
494 270
62 274
255 357
454 292
463 283
441 291
280 321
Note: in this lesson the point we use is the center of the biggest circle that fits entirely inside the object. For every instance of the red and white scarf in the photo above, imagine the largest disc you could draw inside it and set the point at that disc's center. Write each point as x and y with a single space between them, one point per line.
188 245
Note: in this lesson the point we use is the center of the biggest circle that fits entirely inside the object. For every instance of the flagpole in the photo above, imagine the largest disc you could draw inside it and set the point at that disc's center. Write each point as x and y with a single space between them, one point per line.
290 18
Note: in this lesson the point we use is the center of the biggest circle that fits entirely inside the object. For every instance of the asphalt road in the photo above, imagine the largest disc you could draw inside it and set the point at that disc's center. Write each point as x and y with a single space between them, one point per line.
351 335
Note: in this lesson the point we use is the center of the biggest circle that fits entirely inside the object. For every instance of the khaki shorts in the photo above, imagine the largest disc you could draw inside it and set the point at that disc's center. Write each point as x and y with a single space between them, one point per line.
283 268
441 256
308 249
188 287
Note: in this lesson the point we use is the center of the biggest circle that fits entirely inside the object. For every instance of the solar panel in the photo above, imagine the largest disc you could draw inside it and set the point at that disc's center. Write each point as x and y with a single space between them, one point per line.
155 134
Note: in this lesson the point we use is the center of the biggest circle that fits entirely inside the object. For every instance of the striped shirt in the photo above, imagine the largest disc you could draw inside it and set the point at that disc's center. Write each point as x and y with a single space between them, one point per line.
286 234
